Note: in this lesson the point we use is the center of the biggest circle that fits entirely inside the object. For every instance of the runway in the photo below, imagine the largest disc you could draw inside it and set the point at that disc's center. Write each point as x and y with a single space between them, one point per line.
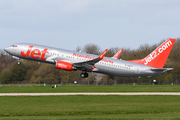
128 93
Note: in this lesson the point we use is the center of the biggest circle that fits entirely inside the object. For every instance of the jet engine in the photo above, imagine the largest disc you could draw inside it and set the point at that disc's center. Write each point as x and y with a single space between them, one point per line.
65 66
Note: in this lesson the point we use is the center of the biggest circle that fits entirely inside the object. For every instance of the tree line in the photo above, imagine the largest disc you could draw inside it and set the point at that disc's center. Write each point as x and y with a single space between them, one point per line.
36 72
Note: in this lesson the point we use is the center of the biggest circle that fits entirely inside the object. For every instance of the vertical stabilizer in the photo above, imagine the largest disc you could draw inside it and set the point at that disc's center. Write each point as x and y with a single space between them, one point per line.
159 56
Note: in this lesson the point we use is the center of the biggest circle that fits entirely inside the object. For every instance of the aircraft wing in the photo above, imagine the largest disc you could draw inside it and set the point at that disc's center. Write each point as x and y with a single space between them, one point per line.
89 65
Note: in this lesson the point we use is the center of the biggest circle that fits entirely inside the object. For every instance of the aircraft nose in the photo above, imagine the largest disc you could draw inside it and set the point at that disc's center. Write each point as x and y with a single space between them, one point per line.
7 49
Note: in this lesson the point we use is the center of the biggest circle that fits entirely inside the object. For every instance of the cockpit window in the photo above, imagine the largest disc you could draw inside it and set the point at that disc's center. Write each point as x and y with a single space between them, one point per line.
14 45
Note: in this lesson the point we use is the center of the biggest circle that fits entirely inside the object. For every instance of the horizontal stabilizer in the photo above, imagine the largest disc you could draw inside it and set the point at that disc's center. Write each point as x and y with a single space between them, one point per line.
163 69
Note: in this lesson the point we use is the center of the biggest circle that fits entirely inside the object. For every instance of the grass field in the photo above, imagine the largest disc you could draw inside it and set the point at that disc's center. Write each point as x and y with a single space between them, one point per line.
100 88
90 107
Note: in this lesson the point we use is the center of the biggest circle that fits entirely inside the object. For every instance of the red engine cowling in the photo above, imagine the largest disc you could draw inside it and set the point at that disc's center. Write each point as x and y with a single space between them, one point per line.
64 66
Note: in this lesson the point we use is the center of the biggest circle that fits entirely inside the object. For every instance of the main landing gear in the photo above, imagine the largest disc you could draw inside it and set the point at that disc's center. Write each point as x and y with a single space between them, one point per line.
84 75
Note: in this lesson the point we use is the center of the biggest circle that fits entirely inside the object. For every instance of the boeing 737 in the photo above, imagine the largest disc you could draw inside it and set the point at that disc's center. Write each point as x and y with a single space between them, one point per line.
151 65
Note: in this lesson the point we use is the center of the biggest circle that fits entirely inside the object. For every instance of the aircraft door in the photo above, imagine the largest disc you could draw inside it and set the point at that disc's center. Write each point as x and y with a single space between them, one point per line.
17 50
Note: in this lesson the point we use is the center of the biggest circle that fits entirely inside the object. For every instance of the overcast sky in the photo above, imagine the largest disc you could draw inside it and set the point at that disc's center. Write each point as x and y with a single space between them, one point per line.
68 24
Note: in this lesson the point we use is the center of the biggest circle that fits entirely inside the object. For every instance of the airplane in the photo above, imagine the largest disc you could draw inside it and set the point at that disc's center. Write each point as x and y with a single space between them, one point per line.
151 65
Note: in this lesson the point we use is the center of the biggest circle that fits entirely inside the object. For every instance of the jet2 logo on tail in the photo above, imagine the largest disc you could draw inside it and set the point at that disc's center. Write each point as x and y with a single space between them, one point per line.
35 54
157 52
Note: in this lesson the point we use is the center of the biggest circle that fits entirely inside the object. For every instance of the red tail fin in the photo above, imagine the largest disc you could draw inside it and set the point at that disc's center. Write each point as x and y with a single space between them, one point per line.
159 56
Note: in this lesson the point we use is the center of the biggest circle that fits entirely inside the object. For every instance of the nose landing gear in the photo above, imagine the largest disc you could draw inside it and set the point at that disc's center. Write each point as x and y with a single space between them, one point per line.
19 63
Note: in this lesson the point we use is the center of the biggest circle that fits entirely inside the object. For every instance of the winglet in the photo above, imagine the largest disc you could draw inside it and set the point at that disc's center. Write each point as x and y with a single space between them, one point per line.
103 54
118 54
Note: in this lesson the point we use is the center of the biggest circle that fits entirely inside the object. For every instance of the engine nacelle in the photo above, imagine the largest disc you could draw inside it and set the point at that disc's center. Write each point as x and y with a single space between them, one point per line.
65 66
